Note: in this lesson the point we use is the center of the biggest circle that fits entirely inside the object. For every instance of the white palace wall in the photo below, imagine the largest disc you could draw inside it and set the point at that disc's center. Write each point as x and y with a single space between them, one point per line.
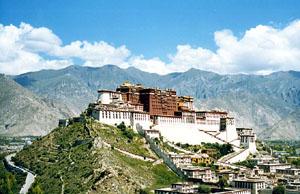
174 129
230 135
132 119
185 133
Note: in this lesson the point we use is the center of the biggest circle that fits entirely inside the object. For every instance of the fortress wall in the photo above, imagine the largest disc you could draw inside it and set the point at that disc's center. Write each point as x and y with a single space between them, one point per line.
252 147
240 157
185 134
173 129
229 134
113 120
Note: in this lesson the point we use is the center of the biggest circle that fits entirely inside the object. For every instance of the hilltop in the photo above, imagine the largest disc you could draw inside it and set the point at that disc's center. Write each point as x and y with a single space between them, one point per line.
84 158
257 101
25 113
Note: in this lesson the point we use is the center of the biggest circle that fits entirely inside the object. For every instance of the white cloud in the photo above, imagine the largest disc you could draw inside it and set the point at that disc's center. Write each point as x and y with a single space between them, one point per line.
19 47
262 49
187 57
37 39
26 48
96 54
154 65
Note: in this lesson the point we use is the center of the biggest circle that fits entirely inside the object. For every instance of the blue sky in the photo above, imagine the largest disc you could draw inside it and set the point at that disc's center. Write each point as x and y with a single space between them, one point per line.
153 29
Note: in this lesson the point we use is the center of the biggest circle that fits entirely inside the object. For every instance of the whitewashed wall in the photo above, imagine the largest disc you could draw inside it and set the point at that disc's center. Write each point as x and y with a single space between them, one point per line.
240 157
187 133
132 119
230 135
140 120
173 129
114 117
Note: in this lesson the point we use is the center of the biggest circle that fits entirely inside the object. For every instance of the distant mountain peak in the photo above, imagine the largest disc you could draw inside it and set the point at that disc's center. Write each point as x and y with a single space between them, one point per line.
257 101
110 66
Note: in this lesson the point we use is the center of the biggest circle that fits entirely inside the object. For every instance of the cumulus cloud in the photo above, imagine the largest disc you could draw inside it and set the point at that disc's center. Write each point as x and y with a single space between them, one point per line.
187 57
94 54
19 49
260 50
26 48
153 65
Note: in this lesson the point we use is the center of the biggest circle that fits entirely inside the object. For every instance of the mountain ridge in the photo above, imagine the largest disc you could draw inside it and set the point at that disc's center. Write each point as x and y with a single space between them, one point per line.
263 100
24 113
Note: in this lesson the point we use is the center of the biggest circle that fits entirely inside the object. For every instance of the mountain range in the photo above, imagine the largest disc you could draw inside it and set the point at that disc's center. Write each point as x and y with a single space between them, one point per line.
267 103
24 113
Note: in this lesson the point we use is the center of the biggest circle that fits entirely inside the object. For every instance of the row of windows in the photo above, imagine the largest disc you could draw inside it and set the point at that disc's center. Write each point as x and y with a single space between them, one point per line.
122 115
187 114
247 139
209 115
142 117
208 122
115 115
213 116
248 185
230 122
212 122
189 120
161 105
159 101
171 120
176 120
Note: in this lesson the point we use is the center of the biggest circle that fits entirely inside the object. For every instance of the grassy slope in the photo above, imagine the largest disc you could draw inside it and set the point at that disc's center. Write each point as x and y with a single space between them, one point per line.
115 137
69 154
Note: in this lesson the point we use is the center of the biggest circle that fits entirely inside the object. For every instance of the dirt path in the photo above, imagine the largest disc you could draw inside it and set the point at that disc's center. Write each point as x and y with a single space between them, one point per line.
63 185
131 155
29 178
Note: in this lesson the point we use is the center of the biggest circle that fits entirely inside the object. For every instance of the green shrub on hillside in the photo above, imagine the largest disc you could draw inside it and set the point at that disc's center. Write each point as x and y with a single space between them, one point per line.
35 189
247 163
280 189
204 189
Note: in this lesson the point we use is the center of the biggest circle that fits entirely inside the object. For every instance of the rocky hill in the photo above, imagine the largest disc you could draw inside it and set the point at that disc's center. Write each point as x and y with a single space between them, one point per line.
257 101
84 158
24 113
287 128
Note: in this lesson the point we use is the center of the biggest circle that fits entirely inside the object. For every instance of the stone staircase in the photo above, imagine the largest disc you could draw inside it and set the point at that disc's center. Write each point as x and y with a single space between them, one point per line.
234 157
215 136
227 157
179 148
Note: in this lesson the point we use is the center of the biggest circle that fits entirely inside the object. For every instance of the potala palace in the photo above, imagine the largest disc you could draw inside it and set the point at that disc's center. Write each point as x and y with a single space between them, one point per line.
159 112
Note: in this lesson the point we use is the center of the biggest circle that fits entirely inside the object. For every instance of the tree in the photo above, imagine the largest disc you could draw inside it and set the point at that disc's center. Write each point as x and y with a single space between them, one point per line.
204 189
142 191
248 163
226 149
35 189
7 183
122 126
296 162
280 189
222 183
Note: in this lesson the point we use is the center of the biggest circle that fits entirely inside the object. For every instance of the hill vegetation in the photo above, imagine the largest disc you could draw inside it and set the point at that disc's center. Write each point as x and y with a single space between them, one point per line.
77 159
